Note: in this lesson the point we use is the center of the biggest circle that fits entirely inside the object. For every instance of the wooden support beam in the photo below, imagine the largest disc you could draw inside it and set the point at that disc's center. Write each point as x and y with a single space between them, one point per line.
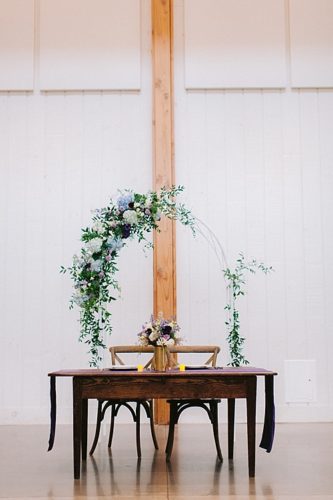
163 164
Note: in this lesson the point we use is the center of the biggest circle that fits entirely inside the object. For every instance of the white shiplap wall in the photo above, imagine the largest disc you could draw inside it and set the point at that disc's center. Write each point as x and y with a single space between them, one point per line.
62 155
257 166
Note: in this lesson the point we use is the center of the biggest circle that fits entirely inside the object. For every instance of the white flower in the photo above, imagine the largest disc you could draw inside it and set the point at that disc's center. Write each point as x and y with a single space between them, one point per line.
95 265
157 216
98 227
79 299
164 342
77 261
130 217
114 244
143 340
153 336
94 245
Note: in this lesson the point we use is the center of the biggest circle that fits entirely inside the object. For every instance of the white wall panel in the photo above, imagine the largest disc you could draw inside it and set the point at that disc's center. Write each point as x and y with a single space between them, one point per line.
62 155
16 44
89 44
235 43
311 43
257 166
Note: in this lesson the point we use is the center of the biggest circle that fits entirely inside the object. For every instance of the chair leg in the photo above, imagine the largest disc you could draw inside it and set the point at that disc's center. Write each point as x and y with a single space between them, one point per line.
171 433
152 427
113 415
137 419
98 427
215 424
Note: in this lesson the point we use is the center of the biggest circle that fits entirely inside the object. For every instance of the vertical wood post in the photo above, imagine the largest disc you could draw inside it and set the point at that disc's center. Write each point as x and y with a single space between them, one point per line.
163 165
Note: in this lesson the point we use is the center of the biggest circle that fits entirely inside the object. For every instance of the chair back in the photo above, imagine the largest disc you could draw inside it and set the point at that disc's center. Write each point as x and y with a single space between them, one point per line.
171 352
131 351
212 350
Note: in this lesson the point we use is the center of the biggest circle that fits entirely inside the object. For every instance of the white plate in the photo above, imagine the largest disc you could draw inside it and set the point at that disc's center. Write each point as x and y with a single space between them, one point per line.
123 367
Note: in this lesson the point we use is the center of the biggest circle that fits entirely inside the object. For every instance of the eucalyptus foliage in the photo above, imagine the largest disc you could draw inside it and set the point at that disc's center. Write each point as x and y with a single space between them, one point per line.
131 216
236 282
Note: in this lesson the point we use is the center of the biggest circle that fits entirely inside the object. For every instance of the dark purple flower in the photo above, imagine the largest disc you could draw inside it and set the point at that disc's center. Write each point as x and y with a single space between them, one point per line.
126 230
166 330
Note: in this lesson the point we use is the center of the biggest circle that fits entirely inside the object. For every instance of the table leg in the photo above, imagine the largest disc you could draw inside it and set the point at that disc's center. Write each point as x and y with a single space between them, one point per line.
84 429
231 427
251 423
77 426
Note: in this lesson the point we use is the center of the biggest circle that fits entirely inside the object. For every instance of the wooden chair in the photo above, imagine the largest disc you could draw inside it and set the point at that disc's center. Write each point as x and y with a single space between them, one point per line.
116 404
177 406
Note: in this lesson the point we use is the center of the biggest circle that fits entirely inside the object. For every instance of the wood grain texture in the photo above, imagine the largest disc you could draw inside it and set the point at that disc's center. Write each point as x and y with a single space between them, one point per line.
175 387
164 241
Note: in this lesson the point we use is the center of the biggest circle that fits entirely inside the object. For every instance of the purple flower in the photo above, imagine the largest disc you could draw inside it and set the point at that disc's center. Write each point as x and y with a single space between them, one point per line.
166 330
126 230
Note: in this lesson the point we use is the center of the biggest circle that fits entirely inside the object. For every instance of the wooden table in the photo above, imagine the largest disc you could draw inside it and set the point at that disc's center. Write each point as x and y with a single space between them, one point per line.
229 383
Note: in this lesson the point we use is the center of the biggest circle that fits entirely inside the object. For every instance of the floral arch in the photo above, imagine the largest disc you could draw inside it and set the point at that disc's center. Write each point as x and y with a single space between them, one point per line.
133 216
130 216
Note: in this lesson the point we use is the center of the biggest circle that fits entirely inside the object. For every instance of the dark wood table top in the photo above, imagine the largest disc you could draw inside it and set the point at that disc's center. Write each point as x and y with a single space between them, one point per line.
108 372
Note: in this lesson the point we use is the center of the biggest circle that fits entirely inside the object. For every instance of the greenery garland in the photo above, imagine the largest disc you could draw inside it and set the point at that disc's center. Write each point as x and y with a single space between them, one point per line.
132 215
236 280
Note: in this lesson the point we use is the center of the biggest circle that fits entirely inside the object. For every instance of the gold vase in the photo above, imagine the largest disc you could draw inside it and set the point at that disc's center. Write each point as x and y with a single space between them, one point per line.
160 358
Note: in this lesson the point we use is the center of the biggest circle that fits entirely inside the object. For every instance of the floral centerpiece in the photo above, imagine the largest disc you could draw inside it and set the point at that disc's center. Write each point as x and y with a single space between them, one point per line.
160 332
93 271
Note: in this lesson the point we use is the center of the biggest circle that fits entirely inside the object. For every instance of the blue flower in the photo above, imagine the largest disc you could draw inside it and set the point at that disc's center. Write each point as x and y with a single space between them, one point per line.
114 244
124 201
96 265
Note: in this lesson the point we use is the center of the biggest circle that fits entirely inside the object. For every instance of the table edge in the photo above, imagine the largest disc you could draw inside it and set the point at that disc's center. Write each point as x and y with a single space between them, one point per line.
227 372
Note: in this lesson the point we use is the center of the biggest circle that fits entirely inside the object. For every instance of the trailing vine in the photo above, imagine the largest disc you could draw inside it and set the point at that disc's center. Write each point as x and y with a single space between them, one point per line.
236 281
